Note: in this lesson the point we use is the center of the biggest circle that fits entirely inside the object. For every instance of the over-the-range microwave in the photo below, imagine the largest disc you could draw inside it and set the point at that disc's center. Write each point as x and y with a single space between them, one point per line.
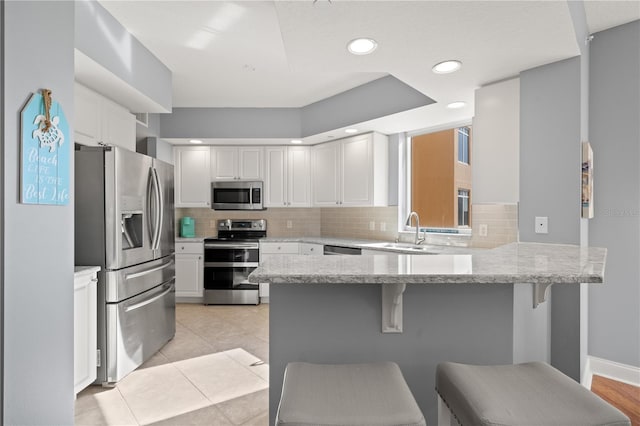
237 195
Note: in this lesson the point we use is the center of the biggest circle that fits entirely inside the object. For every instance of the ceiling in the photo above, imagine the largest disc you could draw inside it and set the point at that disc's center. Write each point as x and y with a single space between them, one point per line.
293 53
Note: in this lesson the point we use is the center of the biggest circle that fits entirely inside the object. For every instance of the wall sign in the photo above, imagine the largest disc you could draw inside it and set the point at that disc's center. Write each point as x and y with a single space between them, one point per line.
46 151
587 180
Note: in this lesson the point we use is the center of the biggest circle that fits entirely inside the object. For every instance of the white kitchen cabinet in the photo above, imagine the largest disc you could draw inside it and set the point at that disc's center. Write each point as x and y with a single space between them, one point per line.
278 248
311 249
189 269
192 179
85 327
288 176
100 120
233 163
268 249
351 172
326 174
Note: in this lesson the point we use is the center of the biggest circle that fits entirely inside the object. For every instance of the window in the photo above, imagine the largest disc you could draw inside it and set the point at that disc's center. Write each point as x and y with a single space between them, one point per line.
463 144
463 207
436 185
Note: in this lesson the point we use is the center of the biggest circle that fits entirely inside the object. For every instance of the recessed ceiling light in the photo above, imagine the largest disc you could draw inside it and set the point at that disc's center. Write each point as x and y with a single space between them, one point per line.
195 141
446 67
351 130
296 141
362 46
456 105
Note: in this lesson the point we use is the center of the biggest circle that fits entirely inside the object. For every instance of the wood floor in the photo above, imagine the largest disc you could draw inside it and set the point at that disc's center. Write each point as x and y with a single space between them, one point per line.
623 396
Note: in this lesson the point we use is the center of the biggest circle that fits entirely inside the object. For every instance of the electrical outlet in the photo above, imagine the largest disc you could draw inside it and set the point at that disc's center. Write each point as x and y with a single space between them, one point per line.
483 230
542 225
289 224
372 226
212 224
383 226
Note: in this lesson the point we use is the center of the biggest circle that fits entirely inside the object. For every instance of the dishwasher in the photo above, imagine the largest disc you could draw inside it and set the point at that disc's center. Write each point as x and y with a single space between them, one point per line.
334 250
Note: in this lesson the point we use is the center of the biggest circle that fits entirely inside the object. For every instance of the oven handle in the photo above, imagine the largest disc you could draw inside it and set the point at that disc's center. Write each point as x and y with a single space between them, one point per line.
251 195
231 264
232 245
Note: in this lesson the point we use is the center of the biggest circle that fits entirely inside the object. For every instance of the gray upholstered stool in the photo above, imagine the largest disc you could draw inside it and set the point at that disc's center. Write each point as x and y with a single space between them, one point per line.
347 394
533 393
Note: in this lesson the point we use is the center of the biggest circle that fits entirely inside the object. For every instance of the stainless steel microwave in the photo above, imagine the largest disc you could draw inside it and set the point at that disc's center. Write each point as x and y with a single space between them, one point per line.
237 195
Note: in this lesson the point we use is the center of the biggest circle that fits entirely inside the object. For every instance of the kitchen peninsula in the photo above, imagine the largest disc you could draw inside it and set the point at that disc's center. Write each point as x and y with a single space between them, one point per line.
470 306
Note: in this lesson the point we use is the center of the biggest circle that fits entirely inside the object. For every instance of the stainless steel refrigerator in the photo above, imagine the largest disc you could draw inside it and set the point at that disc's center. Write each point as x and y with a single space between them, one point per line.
124 223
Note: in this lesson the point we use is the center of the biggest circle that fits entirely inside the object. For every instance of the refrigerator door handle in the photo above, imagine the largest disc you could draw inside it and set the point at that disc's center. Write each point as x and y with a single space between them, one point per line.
148 301
160 206
154 224
150 212
147 271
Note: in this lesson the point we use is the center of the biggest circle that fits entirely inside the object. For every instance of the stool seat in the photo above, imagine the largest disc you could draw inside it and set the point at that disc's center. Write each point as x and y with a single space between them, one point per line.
347 394
523 394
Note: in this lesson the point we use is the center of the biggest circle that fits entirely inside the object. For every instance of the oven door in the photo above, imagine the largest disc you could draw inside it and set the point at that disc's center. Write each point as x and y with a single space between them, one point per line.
227 265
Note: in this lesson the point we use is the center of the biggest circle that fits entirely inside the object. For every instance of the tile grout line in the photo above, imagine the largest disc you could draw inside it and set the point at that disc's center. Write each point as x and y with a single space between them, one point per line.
128 407
247 368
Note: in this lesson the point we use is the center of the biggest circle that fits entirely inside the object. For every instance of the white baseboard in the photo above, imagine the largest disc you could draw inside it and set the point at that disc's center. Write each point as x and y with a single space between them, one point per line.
611 370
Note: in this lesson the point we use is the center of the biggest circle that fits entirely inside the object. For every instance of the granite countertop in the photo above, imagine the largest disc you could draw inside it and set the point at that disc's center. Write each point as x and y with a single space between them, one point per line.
189 240
399 248
512 263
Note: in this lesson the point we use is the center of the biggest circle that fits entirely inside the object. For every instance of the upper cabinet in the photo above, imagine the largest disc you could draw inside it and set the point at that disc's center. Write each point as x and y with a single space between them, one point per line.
351 172
287 176
192 176
99 120
233 163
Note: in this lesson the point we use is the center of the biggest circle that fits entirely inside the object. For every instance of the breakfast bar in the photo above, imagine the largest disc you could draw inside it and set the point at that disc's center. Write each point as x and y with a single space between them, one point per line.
463 305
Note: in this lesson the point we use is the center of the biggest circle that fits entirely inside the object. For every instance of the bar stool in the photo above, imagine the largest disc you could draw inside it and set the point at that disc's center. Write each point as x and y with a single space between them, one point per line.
532 393
347 394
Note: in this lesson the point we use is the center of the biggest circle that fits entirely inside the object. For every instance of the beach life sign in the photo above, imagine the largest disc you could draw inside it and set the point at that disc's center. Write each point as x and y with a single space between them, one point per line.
46 152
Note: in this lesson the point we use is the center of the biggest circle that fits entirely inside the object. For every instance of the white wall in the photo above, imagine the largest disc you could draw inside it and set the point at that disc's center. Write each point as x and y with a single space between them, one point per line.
496 143
38 259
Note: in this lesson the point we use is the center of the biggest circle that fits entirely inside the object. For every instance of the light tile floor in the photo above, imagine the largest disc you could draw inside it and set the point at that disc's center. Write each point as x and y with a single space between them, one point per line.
204 376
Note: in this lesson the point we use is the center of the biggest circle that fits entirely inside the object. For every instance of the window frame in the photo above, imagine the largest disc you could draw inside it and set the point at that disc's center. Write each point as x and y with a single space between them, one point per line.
404 192
466 149
468 204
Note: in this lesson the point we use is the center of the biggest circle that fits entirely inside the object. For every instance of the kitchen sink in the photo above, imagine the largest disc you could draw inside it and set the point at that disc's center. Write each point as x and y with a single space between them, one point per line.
426 249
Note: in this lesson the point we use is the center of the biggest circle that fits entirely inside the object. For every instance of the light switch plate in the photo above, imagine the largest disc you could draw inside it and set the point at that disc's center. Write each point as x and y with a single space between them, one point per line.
542 225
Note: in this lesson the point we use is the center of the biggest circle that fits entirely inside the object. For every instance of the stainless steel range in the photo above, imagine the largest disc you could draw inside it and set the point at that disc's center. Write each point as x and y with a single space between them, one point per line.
228 261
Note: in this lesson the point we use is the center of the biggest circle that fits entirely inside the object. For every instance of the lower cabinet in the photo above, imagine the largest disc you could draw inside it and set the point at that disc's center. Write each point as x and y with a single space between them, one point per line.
283 248
85 327
189 269
311 249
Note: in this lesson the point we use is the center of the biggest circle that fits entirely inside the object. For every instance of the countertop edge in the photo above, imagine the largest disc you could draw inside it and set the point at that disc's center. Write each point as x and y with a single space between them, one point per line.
85 270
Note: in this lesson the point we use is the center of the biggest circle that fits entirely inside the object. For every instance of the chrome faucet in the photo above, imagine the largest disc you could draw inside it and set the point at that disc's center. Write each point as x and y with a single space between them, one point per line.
417 240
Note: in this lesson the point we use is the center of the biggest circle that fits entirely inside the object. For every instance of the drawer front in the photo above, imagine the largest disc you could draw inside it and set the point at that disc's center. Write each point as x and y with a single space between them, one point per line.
279 248
189 248
311 249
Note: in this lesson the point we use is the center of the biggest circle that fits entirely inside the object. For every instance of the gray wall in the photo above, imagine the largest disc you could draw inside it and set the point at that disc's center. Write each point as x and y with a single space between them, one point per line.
614 308
38 267
378 98
550 99
550 152
95 32
375 99
336 323
1 210
231 123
